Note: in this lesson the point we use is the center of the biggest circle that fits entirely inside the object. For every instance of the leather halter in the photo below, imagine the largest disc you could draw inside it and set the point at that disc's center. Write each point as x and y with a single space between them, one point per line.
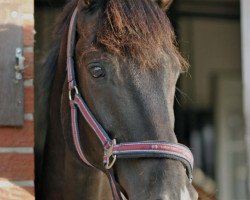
112 150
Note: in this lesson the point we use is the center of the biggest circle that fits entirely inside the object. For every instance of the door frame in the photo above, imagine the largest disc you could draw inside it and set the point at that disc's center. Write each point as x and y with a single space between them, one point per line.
245 45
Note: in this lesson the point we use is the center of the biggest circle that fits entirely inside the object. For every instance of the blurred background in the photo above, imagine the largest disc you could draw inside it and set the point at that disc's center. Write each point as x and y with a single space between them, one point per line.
211 106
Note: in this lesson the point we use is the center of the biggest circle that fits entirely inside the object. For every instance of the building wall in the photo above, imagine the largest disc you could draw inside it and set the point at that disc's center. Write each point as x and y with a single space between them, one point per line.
213 45
211 98
16 143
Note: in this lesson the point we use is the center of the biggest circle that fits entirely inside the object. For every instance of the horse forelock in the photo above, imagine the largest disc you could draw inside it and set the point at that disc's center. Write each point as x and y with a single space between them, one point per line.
141 30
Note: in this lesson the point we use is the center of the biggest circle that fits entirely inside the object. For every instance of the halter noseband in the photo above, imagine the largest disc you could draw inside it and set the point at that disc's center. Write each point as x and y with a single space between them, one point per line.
112 150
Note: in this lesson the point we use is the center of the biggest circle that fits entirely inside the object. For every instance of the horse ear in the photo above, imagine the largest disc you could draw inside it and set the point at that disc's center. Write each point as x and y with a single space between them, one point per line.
164 4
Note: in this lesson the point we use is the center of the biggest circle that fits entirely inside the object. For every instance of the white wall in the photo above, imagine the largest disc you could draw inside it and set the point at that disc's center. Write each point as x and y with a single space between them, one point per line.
245 28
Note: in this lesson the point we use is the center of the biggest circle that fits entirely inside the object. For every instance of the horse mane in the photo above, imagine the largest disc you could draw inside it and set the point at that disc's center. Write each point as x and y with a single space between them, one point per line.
61 25
43 85
44 80
141 30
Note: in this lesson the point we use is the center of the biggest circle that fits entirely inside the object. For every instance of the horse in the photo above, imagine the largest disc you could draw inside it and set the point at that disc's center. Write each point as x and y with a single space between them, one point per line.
108 93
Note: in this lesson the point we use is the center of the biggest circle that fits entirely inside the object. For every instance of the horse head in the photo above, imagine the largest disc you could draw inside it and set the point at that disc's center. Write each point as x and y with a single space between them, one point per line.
126 68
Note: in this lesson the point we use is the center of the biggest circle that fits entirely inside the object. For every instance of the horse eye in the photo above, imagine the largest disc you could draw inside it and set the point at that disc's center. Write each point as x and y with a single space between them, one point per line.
96 71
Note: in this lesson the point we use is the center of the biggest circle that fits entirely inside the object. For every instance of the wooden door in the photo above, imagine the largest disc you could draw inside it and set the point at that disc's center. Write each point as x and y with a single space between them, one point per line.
11 63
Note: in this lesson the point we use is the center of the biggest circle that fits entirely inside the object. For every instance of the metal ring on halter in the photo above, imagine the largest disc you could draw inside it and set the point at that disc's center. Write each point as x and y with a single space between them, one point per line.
109 154
70 93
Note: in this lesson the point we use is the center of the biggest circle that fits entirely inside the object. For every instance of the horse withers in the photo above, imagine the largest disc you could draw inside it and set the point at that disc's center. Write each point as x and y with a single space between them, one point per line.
111 75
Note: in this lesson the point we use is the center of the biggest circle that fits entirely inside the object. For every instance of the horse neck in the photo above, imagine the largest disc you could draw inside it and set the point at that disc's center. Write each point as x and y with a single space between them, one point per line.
83 182
62 172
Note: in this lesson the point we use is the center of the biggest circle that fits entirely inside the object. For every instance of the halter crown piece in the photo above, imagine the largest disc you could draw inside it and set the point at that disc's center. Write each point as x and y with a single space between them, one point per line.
112 150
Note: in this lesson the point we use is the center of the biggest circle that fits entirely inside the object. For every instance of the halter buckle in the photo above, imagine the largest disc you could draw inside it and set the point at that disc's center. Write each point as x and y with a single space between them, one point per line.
73 92
110 159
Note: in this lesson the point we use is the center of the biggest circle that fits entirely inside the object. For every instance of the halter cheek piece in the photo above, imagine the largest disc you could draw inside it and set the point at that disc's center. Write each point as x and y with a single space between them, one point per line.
112 150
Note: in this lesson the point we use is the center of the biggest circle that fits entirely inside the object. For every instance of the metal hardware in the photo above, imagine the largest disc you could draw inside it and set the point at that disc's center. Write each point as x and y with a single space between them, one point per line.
70 93
109 154
19 67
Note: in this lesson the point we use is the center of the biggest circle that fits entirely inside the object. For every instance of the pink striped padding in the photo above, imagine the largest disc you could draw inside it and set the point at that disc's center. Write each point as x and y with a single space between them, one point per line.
86 114
174 149
75 134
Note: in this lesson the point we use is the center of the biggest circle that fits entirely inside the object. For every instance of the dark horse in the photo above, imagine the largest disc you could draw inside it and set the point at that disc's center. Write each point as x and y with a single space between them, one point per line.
126 66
